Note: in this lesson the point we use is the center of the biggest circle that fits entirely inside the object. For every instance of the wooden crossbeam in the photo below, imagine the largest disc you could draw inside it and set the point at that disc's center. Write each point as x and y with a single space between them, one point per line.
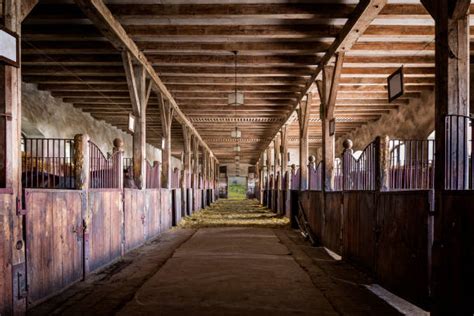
104 20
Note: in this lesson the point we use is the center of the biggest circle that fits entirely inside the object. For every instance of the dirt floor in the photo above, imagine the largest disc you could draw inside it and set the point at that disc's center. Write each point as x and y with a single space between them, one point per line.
234 258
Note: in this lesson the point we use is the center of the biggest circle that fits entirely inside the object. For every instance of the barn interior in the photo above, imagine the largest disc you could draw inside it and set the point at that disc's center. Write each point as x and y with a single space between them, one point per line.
237 157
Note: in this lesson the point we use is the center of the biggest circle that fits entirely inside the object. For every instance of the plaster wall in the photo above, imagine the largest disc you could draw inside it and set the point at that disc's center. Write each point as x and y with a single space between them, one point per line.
414 120
45 116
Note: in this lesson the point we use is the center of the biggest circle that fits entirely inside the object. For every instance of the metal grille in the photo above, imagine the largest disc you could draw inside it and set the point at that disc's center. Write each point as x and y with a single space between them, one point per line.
127 163
338 178
104 173
459 168
48 163
359 174
411 164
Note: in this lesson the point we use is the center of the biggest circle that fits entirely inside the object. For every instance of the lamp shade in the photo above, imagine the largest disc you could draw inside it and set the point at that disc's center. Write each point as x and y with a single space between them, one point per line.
237 148
236 98
236 133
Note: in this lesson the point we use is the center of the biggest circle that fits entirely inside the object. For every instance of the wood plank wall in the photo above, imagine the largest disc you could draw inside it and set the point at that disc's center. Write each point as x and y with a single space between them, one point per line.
72 233
54 244
386 233
105 220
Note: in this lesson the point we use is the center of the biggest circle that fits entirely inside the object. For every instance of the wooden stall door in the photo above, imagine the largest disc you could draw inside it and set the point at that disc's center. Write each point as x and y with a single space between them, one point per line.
166 212
332 226
153 211
402 245
104 228
359 233
135 224
54 241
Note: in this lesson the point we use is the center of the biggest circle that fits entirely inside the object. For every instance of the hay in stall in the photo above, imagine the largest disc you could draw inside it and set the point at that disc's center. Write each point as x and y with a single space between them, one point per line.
235 212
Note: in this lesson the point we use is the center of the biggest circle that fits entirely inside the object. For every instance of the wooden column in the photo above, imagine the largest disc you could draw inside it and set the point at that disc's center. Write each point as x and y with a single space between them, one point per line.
303 119
327 89
451 266
284 150
195 177
276 158
187 156
12 250
204 167
139 90
166 112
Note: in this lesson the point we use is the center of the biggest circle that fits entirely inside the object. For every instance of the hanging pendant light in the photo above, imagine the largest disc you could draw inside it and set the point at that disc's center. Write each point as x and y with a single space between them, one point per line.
237 158
235 98
236 133
237 148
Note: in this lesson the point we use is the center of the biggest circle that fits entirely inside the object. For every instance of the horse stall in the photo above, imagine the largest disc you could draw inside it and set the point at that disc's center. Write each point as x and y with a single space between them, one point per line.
79 218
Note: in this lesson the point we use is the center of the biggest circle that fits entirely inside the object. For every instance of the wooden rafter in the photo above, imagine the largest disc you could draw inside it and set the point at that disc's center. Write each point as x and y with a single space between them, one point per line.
104 20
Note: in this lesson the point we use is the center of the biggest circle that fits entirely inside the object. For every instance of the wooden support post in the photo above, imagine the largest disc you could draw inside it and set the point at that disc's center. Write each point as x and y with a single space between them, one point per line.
187 156
12 250
166 113
284 149
382 161
277 160
327 89
195 178
261 178
118 151
303 119
451 270
82 161
139 90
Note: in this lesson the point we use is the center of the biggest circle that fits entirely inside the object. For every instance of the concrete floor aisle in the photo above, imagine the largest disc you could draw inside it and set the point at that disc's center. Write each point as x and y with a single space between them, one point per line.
234 258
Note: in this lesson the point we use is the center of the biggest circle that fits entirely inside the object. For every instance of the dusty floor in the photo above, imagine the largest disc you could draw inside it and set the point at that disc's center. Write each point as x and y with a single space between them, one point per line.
235 258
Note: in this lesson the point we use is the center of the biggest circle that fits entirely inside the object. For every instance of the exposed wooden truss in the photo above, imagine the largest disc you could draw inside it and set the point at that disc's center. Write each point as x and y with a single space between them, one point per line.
280 49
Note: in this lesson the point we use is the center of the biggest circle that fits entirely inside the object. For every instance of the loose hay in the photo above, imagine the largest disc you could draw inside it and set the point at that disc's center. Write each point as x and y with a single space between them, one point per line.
235 212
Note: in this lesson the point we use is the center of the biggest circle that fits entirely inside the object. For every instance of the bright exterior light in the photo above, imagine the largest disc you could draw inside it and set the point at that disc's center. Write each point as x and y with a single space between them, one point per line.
236 98
237 148
236 133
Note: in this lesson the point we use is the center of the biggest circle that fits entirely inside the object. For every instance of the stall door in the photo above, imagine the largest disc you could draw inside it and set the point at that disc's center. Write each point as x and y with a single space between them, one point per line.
54 242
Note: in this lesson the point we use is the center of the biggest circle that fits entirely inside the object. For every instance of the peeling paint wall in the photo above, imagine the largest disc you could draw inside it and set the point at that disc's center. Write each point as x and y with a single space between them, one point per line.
46 116
414 120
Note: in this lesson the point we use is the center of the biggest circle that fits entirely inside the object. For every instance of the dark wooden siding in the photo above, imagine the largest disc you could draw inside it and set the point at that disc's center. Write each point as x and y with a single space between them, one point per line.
359 224
402 243
332 235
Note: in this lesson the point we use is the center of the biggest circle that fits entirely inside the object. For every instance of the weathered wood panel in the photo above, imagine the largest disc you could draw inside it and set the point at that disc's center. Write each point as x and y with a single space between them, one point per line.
153 212
166 213
359 229
197 199
104 233
134 218
332 227
176 206
402 245
54 232
453 254
6 286
313 206
189 202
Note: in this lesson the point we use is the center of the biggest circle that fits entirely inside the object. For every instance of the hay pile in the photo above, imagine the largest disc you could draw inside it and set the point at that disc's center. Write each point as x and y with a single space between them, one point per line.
235 212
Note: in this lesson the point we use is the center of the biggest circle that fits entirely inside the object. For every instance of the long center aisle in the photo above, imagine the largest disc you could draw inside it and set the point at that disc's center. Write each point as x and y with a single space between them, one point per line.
234 258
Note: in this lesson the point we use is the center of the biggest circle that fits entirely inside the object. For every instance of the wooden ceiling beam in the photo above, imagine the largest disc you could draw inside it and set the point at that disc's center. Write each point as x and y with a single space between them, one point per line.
100 15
